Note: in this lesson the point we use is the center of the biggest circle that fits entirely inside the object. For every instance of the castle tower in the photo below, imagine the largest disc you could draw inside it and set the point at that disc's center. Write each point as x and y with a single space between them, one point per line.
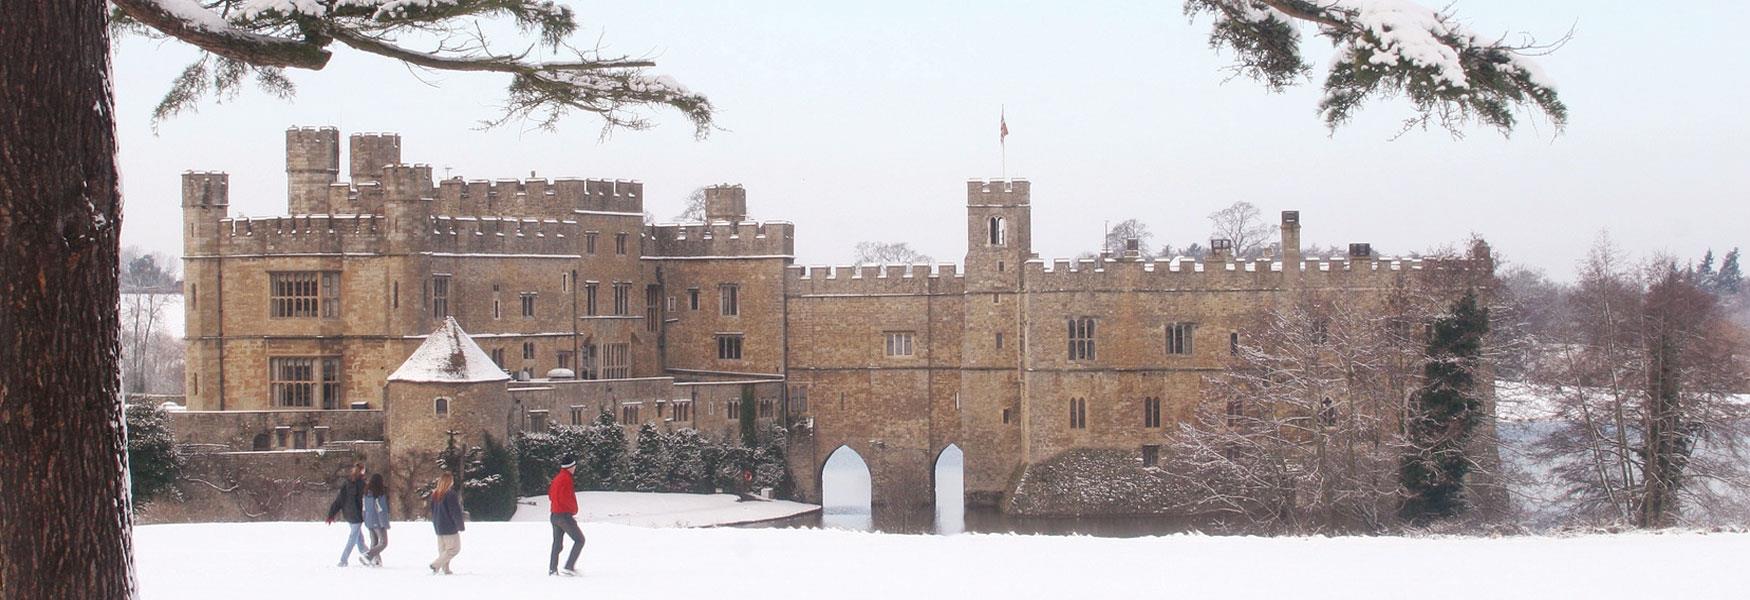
447 385
1291 247
312 163
369 153
725 203
206 198
999 242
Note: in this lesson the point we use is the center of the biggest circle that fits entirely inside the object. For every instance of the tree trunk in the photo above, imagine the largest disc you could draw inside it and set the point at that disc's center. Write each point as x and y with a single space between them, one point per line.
64 522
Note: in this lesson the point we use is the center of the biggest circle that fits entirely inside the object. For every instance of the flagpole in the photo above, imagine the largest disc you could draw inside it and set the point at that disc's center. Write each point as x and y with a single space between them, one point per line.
1003 140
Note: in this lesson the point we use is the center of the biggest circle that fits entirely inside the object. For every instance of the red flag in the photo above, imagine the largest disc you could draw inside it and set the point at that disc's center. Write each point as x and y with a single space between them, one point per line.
1004 120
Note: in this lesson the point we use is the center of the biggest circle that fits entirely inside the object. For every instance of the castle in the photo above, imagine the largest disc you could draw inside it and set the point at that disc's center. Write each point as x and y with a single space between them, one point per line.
300 328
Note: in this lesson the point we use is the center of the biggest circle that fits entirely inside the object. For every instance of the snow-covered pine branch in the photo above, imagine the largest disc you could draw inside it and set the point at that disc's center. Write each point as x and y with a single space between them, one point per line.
261 37
1450 74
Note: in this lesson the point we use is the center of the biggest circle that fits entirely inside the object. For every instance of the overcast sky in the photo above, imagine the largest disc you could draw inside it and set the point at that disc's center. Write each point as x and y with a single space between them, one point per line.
862 121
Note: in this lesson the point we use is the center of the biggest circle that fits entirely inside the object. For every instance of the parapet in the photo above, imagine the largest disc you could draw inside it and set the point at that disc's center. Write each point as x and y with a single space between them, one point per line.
539 198
206 189
302 234
313 149
470 235
747 239
1107 274
371 153
998 192
874 280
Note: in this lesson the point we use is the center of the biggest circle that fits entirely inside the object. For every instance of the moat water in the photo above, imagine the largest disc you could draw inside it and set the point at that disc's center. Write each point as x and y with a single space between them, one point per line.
845 505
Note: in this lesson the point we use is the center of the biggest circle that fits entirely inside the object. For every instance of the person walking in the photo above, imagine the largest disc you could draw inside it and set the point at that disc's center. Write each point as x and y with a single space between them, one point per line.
377 518
446 518
349 503
562 499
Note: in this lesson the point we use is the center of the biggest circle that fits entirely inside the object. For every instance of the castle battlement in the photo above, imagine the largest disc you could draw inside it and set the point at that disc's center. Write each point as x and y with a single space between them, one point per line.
301 234
998 192
920 278
502 235
539 197
721 239
1263 273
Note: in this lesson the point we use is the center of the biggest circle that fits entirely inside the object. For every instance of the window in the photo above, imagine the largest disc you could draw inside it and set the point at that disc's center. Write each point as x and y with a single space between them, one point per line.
293 382
692 298
629 413
1233 343
302 294
1179 336
1151 455
620 243
528 305
321 435
299 441
330 294
999 340
537 420
728 299
617 364
1007 416
622 299
1078 413
589 242
1235 412
734 410
729 347
576 415
670 306
497 308
528 351
395 294
589 298
1327 413
498 357
899 343
652 307
1151 413
799 399
996 229
683 411
440 296
1321 331
587 363
331 383
283 433
563 360
766 408
1081 338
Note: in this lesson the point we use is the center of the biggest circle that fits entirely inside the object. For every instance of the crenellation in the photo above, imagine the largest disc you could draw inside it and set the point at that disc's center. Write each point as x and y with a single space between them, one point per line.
743 239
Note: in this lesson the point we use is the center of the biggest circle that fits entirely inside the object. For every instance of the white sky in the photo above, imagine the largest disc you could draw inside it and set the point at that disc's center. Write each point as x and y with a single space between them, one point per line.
861 122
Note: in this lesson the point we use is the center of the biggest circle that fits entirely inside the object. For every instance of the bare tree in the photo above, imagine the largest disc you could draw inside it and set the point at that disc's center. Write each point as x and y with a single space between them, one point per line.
1243 224
693 209
889 253
1126 230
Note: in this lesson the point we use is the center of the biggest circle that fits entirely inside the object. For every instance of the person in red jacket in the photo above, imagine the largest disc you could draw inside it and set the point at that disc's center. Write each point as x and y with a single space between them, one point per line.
562 497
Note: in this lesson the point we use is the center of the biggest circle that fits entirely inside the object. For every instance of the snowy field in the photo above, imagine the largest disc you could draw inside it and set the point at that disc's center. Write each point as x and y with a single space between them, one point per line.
269 561
664 510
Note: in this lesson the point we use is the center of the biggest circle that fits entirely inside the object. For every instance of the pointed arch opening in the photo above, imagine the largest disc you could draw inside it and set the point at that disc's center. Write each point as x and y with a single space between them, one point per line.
845 485
949 474
997 230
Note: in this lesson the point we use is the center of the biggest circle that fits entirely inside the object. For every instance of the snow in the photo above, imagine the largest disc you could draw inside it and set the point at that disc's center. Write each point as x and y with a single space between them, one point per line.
269 561
449 355
665 510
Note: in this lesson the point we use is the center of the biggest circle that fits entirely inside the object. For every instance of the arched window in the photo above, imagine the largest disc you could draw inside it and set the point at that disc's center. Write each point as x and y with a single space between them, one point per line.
998 236
263 442
441 407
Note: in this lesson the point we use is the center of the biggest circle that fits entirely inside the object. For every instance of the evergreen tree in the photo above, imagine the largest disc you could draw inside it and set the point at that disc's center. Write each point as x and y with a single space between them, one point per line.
749 432
495 483
1443 414
154 462
686 467
650 461
604 449
1705 271
1729 280
771 467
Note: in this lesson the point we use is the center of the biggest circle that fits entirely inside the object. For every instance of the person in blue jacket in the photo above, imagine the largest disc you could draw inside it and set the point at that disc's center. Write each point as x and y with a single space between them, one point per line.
349 503
446 518
377 518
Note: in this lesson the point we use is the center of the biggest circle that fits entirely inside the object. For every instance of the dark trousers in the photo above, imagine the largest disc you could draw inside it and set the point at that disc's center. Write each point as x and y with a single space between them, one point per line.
564 525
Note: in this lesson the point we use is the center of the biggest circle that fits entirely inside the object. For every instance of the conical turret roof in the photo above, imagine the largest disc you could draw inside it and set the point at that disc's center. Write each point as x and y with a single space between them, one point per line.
449 356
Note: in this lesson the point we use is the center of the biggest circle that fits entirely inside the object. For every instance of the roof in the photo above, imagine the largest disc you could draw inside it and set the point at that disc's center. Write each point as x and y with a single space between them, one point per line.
449 356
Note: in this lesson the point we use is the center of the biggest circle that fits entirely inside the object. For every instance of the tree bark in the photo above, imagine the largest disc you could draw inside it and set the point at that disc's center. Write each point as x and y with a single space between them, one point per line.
65 521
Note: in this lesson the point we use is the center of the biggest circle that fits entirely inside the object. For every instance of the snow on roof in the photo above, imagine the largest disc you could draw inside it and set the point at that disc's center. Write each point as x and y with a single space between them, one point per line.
449 355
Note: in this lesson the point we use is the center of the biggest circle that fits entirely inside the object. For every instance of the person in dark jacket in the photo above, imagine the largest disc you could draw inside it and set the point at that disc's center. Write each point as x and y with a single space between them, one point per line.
446 518
377 518
562 499
349 503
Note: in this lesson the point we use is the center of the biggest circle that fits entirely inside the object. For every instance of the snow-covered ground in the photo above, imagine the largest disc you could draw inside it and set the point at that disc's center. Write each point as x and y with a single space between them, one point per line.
268 561
665 510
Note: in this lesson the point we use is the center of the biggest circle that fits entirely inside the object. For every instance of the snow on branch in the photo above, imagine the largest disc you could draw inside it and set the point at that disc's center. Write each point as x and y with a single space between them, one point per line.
261 36
1450 74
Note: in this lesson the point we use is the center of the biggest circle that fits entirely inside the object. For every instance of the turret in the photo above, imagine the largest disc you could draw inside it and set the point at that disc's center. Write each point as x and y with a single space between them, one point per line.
725 203
312 163
999 233
369 153
206 197
1291 245
407 193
